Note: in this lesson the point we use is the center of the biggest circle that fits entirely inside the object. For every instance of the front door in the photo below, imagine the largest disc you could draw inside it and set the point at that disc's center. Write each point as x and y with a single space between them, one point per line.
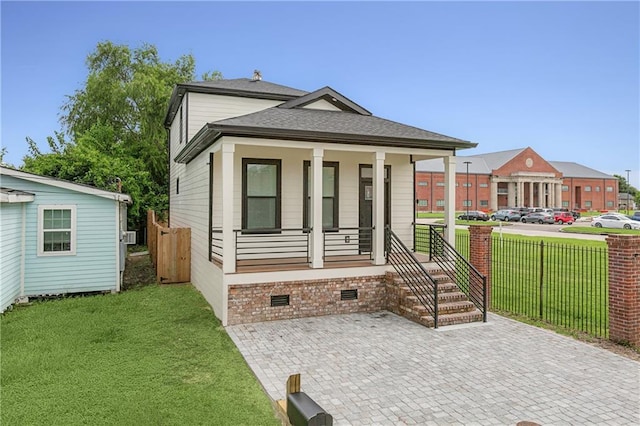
365 205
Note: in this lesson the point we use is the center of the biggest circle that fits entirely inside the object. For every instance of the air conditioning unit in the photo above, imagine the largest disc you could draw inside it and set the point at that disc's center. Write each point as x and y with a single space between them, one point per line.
130 237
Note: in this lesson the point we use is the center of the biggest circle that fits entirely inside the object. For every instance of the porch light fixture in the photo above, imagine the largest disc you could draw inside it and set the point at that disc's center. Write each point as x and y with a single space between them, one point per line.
467 201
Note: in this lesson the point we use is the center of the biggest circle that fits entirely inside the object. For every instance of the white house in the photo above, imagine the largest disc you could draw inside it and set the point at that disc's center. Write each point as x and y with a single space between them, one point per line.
287 194
58 237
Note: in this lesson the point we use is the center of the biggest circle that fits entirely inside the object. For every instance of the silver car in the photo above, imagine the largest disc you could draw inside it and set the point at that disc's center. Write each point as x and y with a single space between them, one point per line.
614 221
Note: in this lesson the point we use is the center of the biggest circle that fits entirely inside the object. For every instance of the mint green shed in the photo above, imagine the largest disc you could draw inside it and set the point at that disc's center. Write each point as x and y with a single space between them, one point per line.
58 237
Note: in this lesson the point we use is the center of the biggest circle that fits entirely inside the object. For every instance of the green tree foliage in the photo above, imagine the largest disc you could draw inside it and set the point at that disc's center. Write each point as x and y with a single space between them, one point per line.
627 188
95 160
115 125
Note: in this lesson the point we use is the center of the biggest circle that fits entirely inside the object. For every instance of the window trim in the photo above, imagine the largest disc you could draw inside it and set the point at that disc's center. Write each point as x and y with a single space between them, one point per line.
278 197
41 231
306 167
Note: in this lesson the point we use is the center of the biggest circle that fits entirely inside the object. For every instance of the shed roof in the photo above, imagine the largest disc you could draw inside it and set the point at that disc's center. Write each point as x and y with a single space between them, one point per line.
60 183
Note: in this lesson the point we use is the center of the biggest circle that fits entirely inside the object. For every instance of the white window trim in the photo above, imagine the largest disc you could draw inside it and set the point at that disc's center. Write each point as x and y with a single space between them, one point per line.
74 239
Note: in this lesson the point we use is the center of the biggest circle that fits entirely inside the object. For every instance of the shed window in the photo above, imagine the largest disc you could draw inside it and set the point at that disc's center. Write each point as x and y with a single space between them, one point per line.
56 230
261 189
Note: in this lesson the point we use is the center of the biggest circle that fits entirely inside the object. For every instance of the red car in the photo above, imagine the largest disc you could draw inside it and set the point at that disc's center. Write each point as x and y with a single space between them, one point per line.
563 217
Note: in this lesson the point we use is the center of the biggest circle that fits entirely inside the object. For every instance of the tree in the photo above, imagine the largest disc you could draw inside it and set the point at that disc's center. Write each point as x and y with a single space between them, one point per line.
115 124
625 187
94 160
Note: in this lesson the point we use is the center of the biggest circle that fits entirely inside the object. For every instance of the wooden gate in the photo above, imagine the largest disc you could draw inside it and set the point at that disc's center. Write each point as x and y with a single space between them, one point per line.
170 250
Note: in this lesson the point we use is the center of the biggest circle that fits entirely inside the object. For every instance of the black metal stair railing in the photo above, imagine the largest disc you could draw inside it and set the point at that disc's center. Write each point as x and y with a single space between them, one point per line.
413 273
468 279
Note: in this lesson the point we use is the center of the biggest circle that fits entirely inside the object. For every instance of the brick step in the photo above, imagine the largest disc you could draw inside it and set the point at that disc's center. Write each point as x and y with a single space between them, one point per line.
452 319
443 297
442 289
446 308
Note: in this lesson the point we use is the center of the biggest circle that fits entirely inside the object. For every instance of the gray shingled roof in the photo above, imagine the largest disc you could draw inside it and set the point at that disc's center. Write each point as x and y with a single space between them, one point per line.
332 122
245 85
477 167
575 170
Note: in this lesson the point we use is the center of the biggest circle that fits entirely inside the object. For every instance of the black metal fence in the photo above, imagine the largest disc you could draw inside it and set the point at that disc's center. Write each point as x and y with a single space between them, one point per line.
564 285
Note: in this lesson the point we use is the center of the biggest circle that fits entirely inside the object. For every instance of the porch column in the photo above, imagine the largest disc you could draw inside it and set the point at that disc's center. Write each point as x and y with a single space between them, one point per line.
552 197
520 194
450 199
531 194
558 194
228 237
494 195
378 208
541 200
315 176
511 194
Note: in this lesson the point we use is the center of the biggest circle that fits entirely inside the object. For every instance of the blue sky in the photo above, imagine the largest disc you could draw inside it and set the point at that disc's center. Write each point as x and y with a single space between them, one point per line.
560 77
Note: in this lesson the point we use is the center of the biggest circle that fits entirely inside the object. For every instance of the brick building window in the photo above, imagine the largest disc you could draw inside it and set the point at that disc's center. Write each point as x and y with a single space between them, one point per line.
565 204
423 203
423 183
609 188
467 203
466 184
609 203
484 185
597 189
484 203
587 188
440 203
587 204
565 188
439 183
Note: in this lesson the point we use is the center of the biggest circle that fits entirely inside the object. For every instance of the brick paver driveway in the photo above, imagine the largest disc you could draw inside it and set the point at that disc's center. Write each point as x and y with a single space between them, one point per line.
381 369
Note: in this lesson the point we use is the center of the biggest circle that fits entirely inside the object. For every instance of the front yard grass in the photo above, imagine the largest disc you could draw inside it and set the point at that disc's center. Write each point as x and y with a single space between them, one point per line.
154 355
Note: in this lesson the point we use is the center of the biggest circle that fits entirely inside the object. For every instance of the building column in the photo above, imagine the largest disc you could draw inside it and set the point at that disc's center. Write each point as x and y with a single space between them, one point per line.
228 237
315 176
511 194
558 194
378 209
531 194
494 195
450 199
541 194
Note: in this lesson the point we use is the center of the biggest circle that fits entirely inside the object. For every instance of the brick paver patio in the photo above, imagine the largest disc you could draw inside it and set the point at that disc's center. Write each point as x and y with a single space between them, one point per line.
381 369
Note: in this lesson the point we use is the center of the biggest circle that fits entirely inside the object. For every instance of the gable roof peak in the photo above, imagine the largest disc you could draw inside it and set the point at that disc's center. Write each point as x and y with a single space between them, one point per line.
330 95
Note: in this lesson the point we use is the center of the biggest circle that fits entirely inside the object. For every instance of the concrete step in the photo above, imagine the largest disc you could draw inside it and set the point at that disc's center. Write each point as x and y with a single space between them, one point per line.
453 319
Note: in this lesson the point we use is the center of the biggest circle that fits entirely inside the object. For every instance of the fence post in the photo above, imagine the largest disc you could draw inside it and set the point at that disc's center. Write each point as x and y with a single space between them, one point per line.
624 288
541 297
480 254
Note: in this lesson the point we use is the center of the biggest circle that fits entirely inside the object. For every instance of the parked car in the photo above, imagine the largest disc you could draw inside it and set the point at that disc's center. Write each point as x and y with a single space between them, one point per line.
614 221
474 215
563 217
506 215
538 217
635 216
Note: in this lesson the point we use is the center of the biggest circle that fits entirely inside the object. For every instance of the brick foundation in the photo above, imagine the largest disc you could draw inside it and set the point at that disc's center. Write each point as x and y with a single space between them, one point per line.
624 289
480 255
249 303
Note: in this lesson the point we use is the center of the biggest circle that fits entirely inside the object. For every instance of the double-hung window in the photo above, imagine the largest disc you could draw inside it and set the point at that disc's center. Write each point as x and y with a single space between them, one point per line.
56 230
329 196
261 192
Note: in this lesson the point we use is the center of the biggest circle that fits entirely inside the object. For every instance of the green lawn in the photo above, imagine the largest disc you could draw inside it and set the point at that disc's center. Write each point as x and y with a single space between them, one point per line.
154 355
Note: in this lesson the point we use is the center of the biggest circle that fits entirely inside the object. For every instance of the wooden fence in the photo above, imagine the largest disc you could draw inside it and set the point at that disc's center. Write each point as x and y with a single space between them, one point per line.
170 251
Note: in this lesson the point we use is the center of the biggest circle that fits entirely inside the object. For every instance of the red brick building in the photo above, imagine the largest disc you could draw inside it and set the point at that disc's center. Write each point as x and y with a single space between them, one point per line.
515 178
